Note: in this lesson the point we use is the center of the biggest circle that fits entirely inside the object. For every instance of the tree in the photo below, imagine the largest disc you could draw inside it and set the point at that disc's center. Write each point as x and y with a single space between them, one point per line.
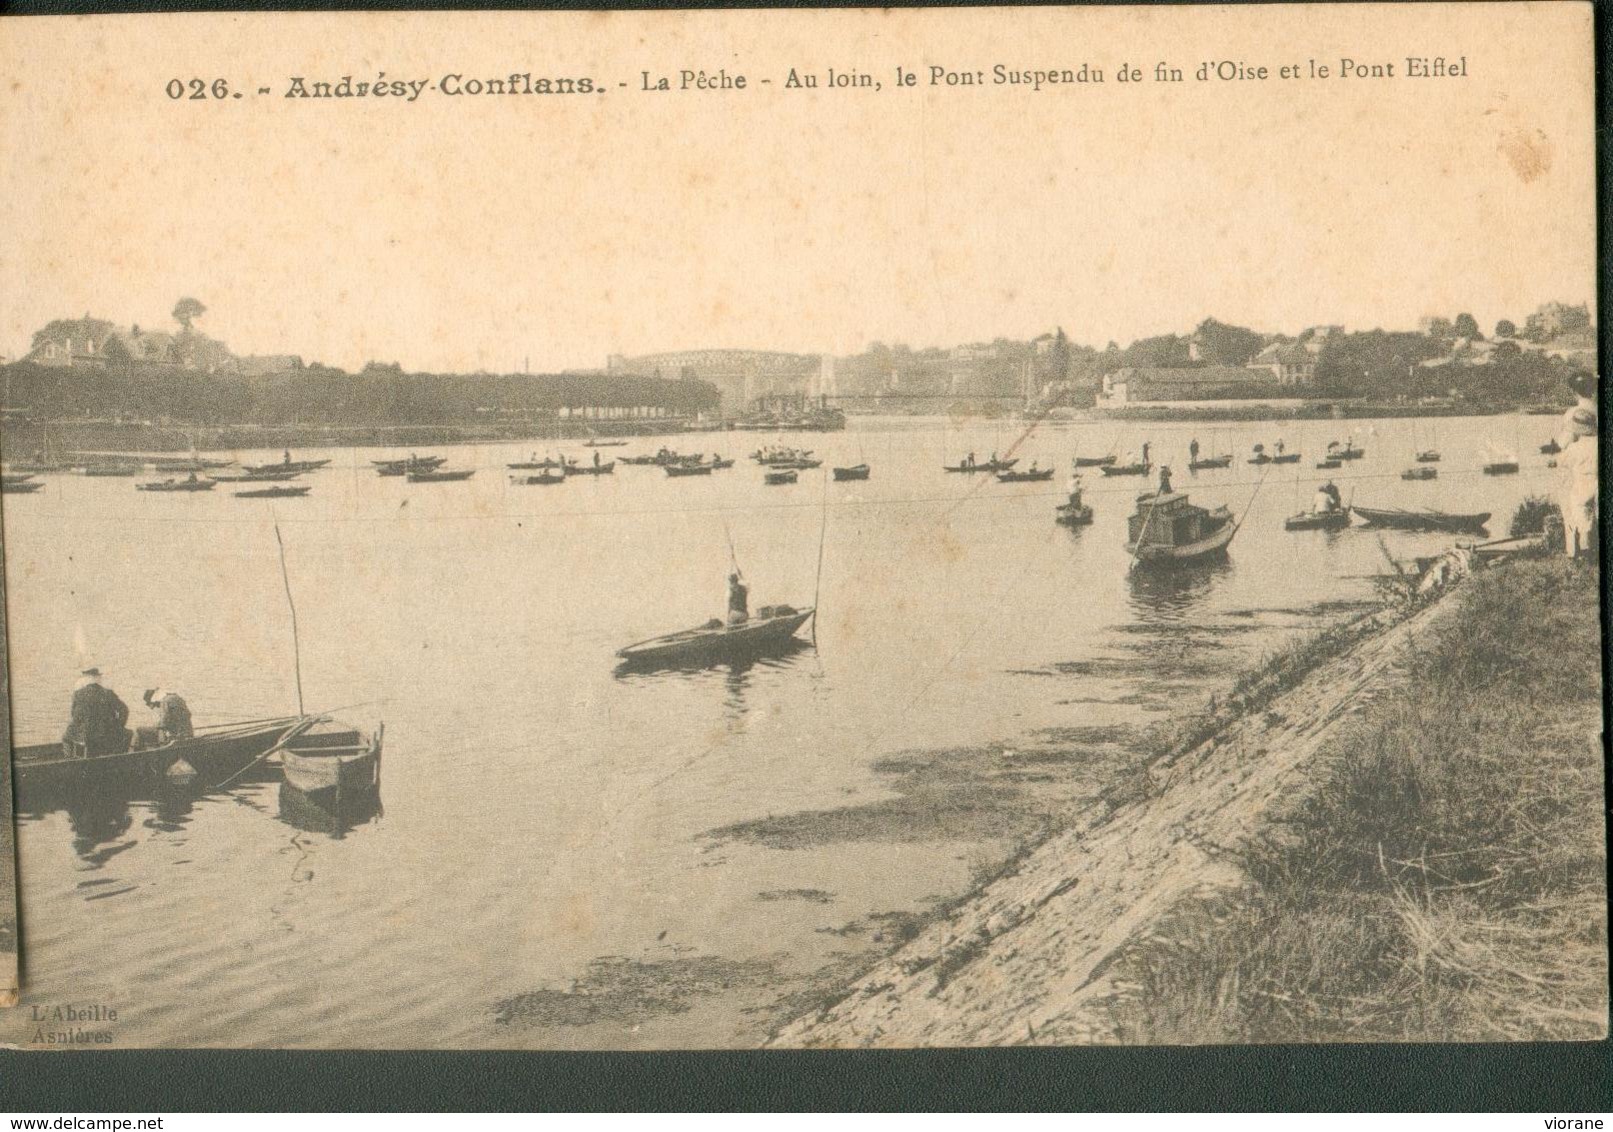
1506 329
1223 345
1466 326
187 310
1439 328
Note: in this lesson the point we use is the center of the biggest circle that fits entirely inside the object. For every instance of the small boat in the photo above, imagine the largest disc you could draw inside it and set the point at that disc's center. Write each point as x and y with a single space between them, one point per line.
1126 469
719 464
1330 463
988 466
287 466
109 471
19 487
1103 461
1168 530
1210 462
538 480
787 475
1346 451
1420 473
178 485
855 472
187 463
275 491
1318 520
215 757
676 470
605 443
408 464
604 469
1550 448
716 643
1073 512
1423 520
332 761
16 477
1031 476
1501 467
773 457
1428 456
254 477
546 465
438 475
1286 458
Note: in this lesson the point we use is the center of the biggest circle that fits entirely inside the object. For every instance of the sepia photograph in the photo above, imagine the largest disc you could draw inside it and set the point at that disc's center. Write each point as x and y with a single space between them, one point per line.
801 529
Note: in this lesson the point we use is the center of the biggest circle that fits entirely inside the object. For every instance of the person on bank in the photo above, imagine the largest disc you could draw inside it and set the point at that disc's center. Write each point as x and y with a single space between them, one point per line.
97 722
1577 464
173 715
738 602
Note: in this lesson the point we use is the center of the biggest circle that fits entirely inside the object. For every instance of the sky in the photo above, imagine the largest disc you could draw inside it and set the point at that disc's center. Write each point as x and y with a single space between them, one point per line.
461 233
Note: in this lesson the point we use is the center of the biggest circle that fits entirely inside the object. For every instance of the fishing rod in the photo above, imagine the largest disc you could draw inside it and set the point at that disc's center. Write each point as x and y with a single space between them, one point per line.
817 585
296 643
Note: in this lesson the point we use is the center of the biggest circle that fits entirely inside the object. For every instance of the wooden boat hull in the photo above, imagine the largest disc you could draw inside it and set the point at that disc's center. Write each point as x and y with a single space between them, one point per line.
283 466
1428 457
1102 461
332 762
1126 469
1073 516
21 488
993 466
1210 546
1419 474
1318 521
1213 462
107 472
605 444
1025 477
1329 465
855 472
274 493
256 477
1423 520
43 771
676 470
590 469
703 647
199 485
543 479
778 478
1286 458
1501 468
441 477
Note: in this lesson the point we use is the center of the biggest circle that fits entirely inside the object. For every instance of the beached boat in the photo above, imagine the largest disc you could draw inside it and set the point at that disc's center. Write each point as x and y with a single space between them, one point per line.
1423 520
604 469
678 470
1102 461
539 480
275 491
333 762
855 472
287 466
1423 472
20 487
787 475
988 466
1033 475
1318 520
438 475
211 758
1169 530
716 643
178 485
1210 462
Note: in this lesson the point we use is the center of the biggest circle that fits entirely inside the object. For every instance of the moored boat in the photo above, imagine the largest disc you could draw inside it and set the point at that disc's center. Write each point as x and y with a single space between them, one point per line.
679 470
540 479
1167 529
275 491
254 477
439 475
1210 462
1550 448
287 466
1031 475
107 471
855 472
1318 520
604 469
192 484
988 466
1286 458
1330 463
787 475
333 761
597 443
1428 456
1423 520
1102 461
717 643
1126 469
407 464
20 487
1422 472
1501 467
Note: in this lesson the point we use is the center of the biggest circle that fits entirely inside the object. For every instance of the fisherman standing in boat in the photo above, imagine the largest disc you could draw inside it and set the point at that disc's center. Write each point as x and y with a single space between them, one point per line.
738 602
173 715
1327 499
1164 480
98 718
1193 450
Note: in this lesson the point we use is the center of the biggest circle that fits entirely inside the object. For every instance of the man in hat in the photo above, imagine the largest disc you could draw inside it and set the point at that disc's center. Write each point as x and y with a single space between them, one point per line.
173 715
738 601
96 726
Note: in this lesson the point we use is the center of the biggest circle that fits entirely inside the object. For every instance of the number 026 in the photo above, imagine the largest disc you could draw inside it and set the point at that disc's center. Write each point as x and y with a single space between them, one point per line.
198 88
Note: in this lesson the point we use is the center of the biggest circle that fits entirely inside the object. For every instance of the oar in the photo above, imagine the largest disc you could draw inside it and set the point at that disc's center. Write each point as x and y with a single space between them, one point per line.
297 729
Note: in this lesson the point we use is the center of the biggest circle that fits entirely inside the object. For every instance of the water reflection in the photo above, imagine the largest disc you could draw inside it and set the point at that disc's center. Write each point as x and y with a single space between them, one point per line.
1176 592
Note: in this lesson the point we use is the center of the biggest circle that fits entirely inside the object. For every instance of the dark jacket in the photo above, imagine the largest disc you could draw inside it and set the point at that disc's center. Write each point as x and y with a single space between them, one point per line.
97 722
173 718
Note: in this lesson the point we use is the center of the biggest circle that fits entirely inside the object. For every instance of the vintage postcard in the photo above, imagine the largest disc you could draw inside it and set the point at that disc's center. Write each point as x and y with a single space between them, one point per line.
725 529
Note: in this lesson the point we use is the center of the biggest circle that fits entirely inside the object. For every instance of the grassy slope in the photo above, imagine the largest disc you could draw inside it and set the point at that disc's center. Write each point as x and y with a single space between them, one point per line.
1447 880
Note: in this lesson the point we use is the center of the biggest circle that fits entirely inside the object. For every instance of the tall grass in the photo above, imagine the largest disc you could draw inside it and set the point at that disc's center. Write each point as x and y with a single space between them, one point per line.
1445 880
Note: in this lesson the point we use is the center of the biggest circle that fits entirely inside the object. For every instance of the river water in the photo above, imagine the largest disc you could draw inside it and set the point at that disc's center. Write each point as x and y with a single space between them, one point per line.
569 857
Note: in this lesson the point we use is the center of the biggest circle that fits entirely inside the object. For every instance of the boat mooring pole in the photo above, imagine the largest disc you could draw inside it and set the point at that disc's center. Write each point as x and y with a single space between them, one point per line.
817 585
296 644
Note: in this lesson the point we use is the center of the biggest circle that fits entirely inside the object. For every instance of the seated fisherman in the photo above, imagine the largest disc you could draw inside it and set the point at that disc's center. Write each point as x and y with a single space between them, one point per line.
173 715
98 718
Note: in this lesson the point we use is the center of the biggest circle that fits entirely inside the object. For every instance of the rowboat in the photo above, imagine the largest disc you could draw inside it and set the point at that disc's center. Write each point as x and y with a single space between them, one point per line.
538 480
1210 462
255 477
689 469
434 475
1550 448
187 463
1103 461
785 456
15 477
716 643
988 466
408 464
605 444
1330 463
1032 476
604 469
20 487
1423 520
1346 452
287 466
333 762
1168 530
1318 520
1126 469
109 471
789 475
541 465
46 769
275 491
855 472
1420 473
1286 458
178 485
1500 467
1428 456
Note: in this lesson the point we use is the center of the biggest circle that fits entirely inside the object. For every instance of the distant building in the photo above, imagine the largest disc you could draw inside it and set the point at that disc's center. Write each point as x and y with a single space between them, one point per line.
1290 364
741 376
95 343
1185 383
1465 353
1319 336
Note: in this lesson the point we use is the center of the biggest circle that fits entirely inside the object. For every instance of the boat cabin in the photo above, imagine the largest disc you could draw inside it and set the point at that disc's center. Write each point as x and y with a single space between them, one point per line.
1169 520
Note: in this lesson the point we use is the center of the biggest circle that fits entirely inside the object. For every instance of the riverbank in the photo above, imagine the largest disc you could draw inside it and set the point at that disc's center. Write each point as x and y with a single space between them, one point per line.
1391 832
